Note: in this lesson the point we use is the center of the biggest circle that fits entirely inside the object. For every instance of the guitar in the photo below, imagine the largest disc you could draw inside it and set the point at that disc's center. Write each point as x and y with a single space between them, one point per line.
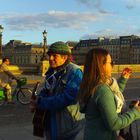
38 118
39 115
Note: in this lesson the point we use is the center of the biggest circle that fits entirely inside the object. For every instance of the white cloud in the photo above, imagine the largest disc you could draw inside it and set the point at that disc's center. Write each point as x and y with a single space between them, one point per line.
131 1
95 3
52 19
100 33
129 30
130 4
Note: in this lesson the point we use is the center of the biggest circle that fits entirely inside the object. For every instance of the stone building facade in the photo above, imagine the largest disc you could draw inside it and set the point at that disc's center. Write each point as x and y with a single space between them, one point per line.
124 50
23 53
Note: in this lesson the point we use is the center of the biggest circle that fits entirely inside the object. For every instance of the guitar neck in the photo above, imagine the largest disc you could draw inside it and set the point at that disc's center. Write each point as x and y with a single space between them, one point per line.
35 90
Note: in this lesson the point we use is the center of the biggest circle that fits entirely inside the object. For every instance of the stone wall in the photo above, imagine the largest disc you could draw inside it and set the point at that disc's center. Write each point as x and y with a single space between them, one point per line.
35 69
119 68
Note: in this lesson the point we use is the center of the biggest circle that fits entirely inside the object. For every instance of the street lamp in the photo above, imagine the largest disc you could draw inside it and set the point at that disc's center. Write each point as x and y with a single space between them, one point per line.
1 30
45 44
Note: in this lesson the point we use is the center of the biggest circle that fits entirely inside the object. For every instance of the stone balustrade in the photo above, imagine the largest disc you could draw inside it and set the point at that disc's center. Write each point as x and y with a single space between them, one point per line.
36 69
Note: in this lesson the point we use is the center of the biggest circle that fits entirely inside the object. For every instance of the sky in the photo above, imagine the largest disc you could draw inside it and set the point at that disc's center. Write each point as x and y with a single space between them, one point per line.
68 20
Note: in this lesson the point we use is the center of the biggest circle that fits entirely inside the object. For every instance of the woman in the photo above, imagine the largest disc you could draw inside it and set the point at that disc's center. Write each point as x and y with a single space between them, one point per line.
101 98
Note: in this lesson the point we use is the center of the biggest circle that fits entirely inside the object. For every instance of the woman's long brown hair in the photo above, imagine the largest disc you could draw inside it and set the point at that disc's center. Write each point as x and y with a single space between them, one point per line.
93 73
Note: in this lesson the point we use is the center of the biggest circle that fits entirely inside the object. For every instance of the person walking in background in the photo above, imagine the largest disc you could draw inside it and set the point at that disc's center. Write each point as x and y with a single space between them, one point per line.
101 99
58 98
6 77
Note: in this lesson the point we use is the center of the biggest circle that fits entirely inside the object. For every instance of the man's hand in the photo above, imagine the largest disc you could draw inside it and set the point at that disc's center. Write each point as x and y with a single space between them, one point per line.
33 104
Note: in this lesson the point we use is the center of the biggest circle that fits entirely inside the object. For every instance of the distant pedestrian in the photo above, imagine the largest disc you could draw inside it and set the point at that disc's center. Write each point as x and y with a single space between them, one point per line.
101 98
58 98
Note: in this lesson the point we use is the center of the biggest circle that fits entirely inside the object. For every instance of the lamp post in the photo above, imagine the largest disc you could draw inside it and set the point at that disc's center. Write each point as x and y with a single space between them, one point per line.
44 62
45 44
1 30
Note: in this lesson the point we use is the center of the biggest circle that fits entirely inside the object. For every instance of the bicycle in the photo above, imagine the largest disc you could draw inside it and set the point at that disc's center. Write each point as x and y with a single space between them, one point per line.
20 93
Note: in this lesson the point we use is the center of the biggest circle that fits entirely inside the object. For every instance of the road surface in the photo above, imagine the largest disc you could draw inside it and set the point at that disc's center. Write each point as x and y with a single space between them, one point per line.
18 116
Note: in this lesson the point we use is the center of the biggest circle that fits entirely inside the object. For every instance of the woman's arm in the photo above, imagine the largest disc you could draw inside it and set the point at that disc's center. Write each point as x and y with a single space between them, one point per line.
107 107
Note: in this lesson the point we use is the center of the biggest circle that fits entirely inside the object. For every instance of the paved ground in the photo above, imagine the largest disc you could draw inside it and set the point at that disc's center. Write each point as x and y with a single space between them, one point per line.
17 133
23 131
16 122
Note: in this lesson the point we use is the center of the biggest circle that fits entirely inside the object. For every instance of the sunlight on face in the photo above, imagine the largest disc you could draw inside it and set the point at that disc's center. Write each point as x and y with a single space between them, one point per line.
7 62
108 66
56 60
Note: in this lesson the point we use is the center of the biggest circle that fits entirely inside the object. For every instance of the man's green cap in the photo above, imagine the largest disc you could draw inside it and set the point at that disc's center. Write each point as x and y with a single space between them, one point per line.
59 48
